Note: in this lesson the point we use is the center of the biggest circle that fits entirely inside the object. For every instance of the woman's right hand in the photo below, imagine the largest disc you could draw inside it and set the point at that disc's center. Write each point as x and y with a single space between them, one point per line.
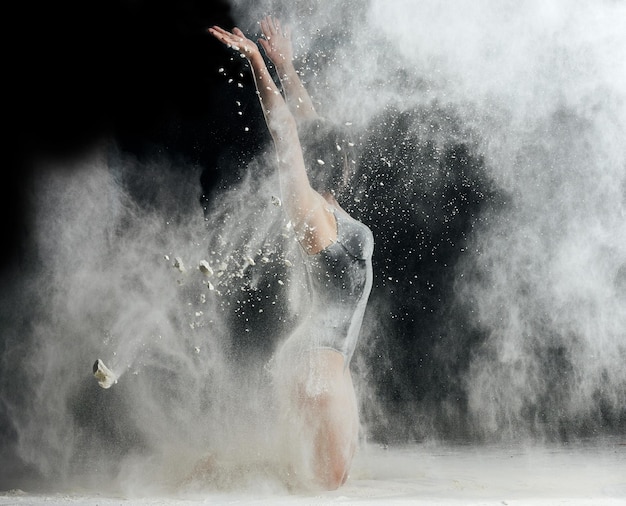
237 40
277 41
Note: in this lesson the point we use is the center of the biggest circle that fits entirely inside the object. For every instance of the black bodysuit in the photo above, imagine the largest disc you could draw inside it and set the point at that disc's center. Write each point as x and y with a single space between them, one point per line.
339 281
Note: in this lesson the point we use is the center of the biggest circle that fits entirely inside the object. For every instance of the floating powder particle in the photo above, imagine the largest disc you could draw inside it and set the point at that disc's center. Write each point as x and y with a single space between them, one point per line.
103 374
178 263
205 268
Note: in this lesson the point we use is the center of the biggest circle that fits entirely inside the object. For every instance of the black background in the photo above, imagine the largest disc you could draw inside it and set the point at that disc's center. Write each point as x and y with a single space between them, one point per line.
141 73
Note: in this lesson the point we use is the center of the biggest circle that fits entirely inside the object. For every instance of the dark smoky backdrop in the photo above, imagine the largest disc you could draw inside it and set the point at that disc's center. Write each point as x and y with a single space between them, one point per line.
491 167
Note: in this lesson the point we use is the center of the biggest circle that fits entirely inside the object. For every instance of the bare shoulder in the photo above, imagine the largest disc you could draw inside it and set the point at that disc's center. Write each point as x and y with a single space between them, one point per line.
318 229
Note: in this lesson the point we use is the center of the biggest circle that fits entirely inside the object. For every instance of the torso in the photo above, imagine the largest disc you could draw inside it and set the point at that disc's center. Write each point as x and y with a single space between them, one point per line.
340 281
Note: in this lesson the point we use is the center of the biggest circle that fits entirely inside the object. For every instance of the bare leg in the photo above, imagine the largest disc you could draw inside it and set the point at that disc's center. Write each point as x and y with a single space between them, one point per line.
334 418
325 404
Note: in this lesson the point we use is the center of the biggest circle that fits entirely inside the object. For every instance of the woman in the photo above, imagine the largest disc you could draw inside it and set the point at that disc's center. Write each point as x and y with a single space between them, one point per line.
320 411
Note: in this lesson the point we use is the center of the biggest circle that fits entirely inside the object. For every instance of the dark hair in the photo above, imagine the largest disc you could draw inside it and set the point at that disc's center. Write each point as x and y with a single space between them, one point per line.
328 155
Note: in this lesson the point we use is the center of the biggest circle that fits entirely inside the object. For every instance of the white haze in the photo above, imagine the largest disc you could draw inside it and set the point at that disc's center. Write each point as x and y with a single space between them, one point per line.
545 85
541 84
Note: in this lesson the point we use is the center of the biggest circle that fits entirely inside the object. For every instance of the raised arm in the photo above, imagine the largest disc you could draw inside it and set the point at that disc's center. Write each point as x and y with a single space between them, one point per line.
304 206
279 49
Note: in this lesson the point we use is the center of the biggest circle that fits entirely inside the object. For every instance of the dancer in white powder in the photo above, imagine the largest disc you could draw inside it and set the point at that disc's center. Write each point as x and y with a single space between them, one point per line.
312 367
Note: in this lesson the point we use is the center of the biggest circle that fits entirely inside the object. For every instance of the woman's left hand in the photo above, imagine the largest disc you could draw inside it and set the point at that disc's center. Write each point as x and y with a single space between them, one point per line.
277 41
